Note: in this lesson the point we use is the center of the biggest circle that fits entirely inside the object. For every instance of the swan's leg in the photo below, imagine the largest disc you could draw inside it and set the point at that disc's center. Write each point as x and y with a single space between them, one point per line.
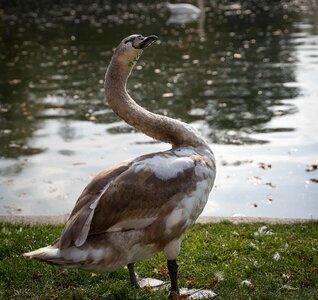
132 275
173 273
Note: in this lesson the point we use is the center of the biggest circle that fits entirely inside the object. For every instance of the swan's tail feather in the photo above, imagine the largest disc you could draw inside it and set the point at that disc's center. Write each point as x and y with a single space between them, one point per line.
47 254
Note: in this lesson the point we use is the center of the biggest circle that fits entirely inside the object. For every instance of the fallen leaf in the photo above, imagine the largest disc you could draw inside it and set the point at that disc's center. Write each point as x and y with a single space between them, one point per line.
235 233
288 287
36 276
286 276
214 281
248 284
148 289
163 271
191 281
277 256
263 231
254 246
286 246
304 284
313 270
219 275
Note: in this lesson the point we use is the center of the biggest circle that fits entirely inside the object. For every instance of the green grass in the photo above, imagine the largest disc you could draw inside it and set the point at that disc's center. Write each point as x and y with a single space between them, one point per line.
281 263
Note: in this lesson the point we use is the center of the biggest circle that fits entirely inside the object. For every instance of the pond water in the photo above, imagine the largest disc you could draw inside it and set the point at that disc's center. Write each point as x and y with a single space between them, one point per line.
245 74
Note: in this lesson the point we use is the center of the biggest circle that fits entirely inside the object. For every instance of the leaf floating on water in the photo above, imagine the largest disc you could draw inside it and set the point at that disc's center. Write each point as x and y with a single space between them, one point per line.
315 180
167 95
311 168
258 180
264 166
270 184
14 81
236 163
269 199
255 180
78 163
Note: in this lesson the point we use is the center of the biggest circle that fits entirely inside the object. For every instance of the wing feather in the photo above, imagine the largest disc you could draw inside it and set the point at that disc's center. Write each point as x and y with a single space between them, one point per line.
134 202
78 224
128 196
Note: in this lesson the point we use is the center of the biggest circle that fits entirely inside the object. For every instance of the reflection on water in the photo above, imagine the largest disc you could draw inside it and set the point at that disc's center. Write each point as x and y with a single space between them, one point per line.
242 73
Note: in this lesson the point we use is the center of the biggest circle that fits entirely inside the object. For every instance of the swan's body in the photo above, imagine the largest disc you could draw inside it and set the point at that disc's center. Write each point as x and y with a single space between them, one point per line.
183 9
182 13
134 209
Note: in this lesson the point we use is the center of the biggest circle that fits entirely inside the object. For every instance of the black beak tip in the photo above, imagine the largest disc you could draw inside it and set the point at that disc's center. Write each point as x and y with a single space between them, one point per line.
151 39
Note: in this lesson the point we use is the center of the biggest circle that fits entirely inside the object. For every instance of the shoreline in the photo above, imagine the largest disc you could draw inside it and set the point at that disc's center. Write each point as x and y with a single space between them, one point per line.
61 219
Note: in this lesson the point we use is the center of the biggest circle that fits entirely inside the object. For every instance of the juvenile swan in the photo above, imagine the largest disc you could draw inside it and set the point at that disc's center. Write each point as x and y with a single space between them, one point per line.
135 209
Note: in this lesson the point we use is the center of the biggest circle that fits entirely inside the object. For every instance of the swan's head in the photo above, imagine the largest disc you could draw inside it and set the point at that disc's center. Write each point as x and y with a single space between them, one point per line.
131 47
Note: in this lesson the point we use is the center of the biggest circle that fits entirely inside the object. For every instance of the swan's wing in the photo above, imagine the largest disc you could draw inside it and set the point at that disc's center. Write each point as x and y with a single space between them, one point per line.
133 196
82 213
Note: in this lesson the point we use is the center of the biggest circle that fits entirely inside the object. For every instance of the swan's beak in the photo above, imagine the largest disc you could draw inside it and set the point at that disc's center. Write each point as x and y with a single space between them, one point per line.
147 41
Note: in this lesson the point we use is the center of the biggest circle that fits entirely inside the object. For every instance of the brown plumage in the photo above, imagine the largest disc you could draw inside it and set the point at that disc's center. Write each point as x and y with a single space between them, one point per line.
134 209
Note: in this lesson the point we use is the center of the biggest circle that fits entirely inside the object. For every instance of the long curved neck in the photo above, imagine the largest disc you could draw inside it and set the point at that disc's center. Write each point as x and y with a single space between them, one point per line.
156 126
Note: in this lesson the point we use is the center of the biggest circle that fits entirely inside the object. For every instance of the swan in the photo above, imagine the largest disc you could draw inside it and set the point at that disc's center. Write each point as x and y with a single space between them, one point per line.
182 13
136 208
183 9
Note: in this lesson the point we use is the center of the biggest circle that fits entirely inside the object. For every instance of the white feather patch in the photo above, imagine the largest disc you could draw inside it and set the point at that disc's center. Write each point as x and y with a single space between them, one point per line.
164 167
172 249
176 217
185 151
